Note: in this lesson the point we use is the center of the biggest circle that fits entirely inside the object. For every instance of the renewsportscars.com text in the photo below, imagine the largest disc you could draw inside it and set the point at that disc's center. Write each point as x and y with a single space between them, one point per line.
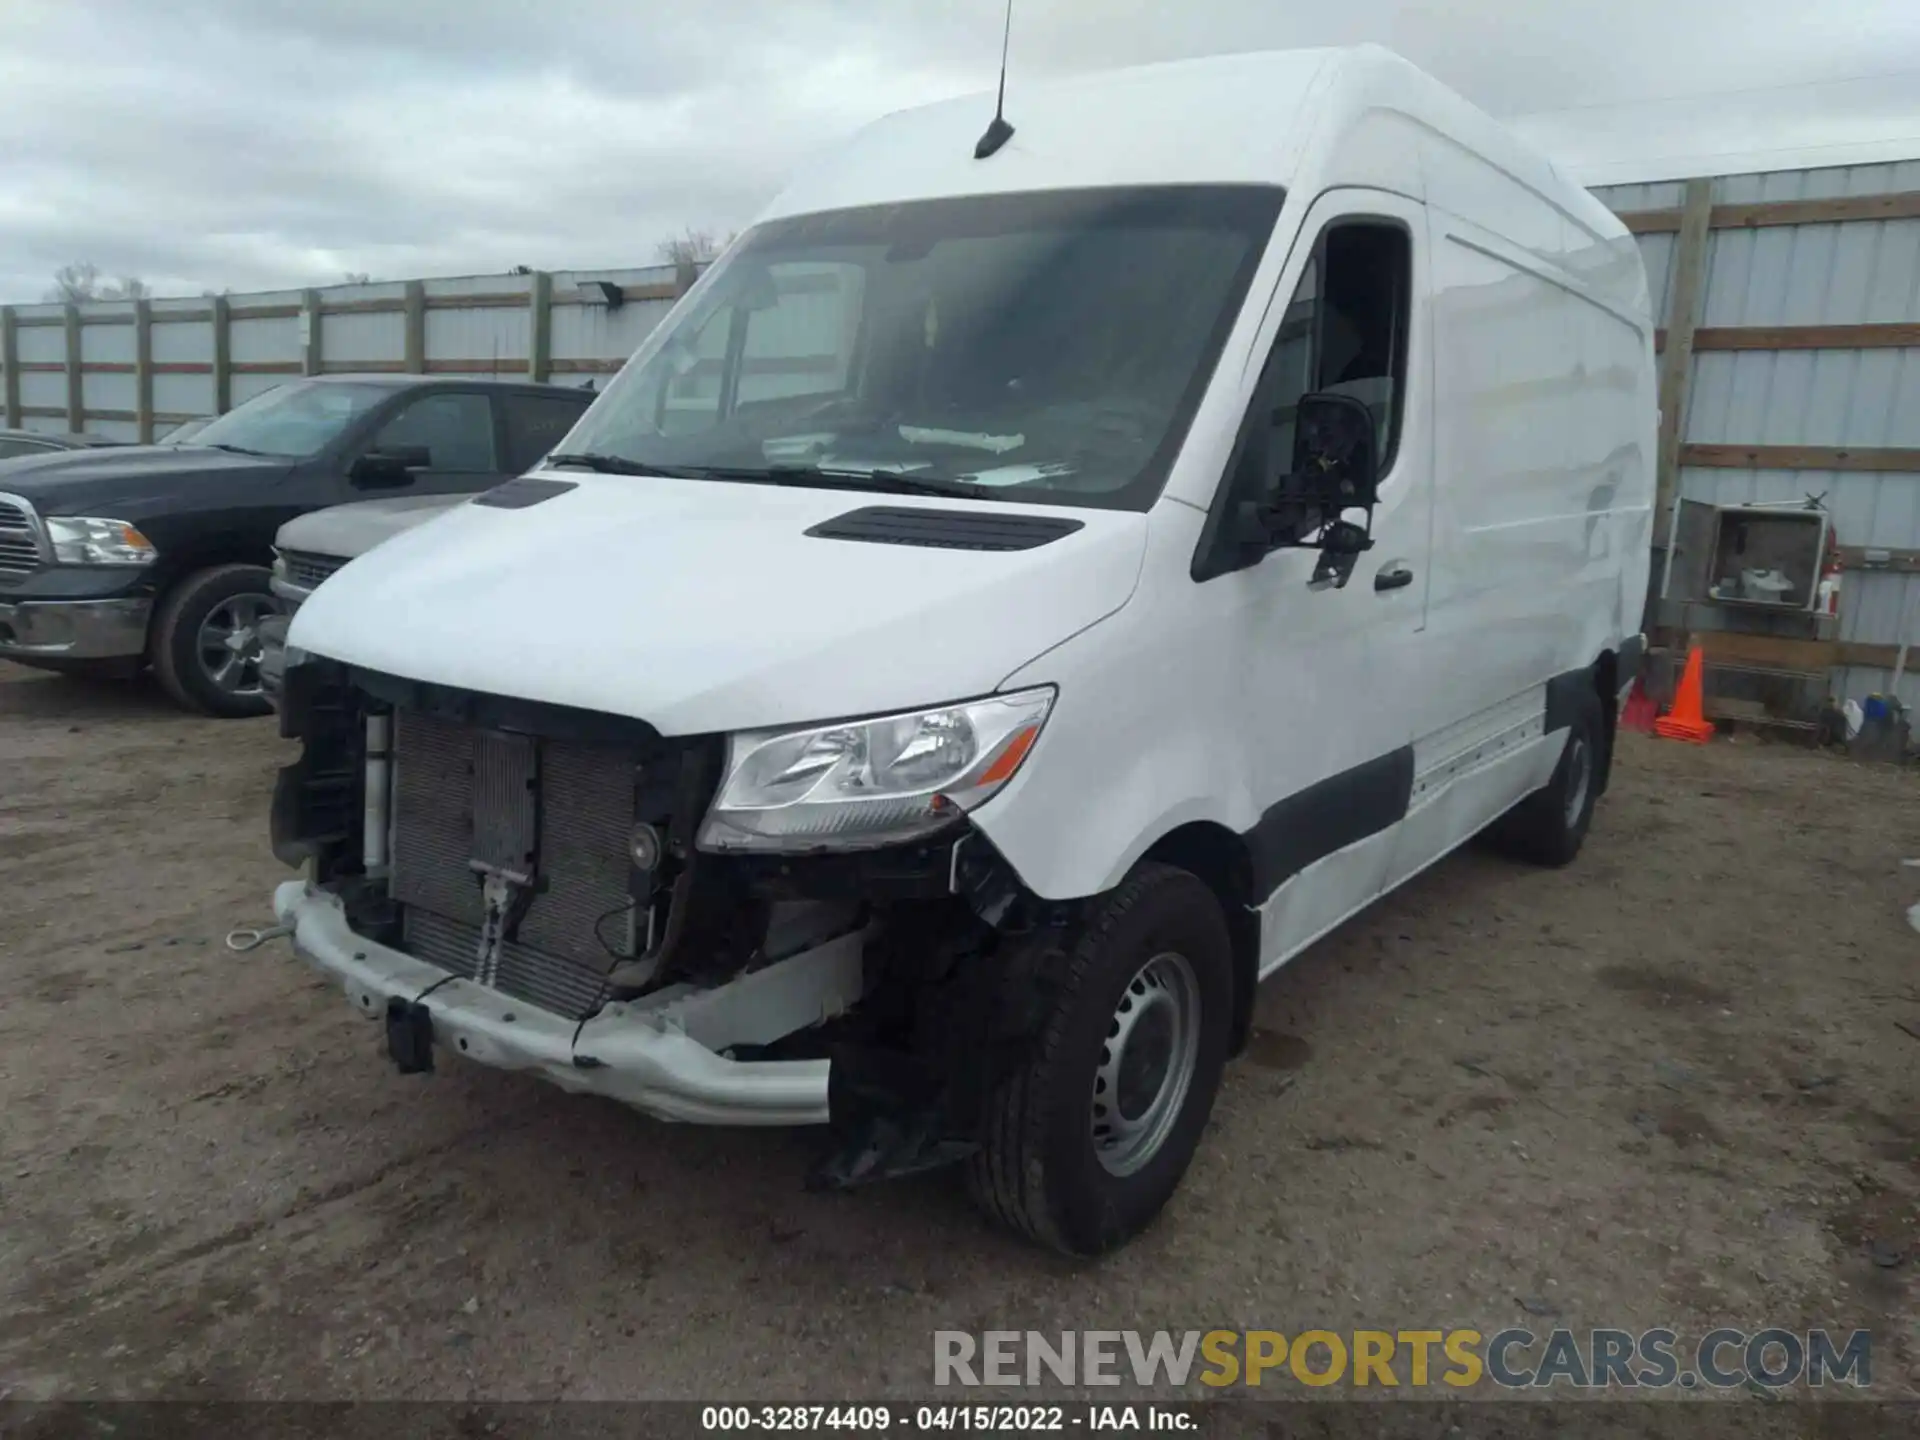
1459 1359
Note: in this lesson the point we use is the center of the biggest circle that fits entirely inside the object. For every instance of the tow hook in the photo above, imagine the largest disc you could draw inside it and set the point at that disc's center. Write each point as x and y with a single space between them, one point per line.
241 941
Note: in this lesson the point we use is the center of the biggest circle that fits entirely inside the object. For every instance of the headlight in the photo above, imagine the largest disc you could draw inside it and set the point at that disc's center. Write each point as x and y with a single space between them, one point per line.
80 541
279 565
867 783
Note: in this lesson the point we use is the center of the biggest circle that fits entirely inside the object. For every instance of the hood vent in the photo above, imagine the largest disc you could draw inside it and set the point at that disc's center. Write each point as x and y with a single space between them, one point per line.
945 529
527 490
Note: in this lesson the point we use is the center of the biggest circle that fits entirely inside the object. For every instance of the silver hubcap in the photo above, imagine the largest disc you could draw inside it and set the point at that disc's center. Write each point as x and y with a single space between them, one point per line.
1146 1064
1579 777
229 643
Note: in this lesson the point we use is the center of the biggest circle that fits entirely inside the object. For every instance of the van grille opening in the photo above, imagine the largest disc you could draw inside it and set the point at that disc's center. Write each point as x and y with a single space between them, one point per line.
454 789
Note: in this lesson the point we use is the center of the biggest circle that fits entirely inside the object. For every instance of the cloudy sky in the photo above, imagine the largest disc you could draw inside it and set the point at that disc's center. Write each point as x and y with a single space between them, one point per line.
246 144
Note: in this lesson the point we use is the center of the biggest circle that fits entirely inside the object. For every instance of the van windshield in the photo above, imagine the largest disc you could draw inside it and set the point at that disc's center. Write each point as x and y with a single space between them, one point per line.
1047 347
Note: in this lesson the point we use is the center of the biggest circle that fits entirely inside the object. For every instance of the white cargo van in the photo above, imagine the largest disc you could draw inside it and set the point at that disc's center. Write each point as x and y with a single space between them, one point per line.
1028 590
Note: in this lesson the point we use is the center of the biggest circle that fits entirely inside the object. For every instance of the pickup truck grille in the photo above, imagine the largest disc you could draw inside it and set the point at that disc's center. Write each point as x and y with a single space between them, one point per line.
306 569
19 540
454 793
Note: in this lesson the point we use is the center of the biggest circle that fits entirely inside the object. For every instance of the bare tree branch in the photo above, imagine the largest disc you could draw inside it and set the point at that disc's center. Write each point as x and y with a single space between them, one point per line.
79 282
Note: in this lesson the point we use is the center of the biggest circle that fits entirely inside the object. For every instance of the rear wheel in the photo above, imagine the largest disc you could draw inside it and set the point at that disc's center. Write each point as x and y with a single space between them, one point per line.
1549 826
1089 1137
206 645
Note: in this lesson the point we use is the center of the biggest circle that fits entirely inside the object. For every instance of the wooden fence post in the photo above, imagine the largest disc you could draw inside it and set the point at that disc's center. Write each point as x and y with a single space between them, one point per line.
76 381
312 353
143 370
10 360
219 320
416 328
540 327
1676 362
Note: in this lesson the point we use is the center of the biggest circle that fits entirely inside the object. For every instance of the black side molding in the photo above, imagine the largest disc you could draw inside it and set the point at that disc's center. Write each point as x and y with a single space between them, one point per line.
945 529
527 490
1565 692
1327 816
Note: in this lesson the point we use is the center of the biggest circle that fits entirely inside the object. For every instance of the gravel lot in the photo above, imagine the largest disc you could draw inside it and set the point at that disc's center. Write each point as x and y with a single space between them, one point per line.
1665 1087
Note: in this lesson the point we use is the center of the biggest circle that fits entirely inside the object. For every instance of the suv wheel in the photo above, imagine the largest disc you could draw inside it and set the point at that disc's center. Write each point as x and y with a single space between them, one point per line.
206 642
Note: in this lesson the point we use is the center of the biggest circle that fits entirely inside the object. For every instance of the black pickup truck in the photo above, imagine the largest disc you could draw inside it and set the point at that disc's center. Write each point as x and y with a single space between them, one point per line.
115 559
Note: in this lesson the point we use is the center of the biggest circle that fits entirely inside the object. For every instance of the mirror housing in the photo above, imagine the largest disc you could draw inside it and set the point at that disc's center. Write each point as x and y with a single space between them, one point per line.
1336 468
1336 455
391 465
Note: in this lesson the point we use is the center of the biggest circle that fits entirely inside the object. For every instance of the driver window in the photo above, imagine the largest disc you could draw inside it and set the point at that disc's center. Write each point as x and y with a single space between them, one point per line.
1344 331
456 429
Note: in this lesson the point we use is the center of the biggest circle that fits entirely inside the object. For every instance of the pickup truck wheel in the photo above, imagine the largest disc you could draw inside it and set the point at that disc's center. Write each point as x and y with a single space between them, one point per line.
1087 1139
205 645
1549 826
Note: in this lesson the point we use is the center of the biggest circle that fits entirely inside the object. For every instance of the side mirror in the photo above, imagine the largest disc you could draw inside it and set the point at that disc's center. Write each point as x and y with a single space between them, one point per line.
390 465
1336 454
1336 468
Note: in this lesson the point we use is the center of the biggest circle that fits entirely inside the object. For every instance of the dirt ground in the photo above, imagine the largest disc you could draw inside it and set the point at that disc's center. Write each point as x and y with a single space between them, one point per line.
1667 1086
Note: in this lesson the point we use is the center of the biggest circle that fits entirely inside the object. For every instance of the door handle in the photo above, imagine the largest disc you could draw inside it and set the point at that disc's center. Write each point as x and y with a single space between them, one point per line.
1392 576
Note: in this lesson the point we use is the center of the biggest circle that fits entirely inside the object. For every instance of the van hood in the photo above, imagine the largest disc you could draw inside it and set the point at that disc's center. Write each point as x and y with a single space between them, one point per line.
702 606
345 531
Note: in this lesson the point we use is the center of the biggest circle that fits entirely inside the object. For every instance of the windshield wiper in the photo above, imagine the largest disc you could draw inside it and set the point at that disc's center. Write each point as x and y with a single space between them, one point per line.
232 449
620 465
813 477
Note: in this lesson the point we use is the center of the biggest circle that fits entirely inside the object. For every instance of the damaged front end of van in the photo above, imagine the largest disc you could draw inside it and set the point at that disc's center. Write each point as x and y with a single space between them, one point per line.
626 914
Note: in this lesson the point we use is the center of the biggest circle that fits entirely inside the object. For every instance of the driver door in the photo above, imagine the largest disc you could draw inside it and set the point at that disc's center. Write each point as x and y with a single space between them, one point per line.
1327 670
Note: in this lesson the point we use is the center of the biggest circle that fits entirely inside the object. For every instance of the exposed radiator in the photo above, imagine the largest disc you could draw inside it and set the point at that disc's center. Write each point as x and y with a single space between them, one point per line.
461 794
552 982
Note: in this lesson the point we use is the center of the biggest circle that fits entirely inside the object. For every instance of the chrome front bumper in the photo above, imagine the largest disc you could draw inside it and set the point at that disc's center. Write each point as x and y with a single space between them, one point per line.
275 655
643 1059
74 629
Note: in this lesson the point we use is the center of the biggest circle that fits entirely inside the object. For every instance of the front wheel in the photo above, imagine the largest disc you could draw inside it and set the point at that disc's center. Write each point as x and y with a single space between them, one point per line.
1087 1139
205 645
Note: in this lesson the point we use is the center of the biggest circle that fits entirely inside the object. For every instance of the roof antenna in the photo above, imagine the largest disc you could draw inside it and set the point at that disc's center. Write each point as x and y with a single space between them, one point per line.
999 132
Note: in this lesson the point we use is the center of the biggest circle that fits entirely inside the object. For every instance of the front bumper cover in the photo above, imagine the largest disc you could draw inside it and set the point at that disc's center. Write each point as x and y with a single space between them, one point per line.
654 1068
74 629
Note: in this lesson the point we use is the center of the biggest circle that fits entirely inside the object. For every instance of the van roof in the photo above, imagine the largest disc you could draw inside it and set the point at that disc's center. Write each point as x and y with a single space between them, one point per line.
1257 117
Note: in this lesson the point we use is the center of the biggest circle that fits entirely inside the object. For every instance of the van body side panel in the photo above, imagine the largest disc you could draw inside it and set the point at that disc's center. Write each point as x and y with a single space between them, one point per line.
1543 462
1532 452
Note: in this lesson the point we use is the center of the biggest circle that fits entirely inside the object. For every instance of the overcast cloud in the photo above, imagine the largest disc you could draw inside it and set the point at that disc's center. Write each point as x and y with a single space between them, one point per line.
248 144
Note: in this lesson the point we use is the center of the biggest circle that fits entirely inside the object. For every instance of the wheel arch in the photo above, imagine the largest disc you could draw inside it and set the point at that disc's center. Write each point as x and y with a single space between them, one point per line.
1221 860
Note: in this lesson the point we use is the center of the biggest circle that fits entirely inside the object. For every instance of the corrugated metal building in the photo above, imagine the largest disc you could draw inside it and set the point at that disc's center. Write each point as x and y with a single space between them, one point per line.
1804 375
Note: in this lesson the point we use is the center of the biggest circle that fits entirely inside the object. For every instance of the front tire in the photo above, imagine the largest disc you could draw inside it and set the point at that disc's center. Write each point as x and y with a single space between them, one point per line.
1549 826
204 648
1088 1138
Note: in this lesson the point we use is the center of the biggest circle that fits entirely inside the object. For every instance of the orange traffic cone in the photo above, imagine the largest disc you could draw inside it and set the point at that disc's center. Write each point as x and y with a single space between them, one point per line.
1685 721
